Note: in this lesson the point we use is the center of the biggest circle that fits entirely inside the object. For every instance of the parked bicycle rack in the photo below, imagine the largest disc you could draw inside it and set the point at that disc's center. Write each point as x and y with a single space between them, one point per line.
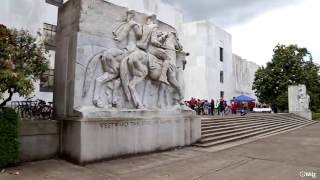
33 110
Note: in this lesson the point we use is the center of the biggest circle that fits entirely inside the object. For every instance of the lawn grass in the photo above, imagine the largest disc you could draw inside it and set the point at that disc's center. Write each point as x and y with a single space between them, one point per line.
316 116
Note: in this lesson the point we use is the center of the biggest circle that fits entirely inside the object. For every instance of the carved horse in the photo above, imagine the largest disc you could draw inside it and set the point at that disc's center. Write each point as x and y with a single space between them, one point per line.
139 64
110 62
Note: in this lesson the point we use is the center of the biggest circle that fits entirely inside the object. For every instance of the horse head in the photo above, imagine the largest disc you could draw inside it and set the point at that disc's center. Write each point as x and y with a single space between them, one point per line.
181 57
172 41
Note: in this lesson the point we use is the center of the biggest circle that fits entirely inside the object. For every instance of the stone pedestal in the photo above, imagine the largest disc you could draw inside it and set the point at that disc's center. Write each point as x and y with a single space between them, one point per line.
109 134
305 114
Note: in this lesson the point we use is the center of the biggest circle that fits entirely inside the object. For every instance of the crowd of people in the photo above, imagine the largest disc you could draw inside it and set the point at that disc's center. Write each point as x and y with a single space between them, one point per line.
205 107
219 106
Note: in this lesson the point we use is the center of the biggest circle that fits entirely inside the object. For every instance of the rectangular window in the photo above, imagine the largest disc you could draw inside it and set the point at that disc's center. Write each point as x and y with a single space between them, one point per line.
221 76
49 33
46 81
221 54
222 94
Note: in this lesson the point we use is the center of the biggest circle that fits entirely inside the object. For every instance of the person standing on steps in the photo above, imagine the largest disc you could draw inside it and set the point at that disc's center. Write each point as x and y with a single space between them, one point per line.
234 106
212 107
222 107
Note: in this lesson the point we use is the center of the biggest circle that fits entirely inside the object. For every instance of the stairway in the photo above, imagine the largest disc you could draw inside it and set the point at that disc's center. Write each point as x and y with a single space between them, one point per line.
218 130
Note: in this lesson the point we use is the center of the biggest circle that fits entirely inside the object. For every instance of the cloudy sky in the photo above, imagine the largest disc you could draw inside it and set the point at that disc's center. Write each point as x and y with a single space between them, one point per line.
257 26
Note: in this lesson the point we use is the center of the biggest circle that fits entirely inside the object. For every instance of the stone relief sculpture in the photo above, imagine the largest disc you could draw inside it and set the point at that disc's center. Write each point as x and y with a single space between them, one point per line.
110 63
303 99
149 54
127 32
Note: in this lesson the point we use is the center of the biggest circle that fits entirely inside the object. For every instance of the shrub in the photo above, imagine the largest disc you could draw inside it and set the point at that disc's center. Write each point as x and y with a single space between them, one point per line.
316 116
9 137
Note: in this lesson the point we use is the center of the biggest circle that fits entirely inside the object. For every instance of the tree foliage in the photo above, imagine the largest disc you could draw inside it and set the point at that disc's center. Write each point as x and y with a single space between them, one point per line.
290 65
22 61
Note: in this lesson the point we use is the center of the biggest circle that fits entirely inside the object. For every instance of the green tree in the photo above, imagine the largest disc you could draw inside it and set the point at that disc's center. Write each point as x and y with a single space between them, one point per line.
290 65
22 61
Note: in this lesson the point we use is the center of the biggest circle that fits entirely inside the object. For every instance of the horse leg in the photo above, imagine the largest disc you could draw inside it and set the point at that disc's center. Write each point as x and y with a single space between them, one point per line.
146 85
115 94
132 87
175 84
99 82
160 90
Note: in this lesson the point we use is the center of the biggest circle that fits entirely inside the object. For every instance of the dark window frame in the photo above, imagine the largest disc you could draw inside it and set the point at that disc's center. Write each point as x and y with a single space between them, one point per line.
222 94
221 77
221 54
49 33
46 86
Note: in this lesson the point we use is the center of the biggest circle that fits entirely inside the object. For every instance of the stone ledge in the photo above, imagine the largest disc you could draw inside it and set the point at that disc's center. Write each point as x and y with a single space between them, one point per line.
39 140
39 127
90 140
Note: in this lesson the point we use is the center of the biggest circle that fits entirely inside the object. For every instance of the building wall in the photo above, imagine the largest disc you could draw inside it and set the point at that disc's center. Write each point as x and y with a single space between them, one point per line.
165 12
202 75
243 76
39 140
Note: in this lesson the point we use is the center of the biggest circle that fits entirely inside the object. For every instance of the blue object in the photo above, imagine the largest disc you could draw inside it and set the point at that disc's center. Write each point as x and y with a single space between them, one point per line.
244 98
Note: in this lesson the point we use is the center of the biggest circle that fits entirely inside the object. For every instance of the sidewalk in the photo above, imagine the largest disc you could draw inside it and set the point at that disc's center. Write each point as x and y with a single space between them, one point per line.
287 156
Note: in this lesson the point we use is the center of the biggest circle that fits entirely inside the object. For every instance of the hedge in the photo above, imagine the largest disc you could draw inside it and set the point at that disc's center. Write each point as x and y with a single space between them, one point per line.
316 116
9 137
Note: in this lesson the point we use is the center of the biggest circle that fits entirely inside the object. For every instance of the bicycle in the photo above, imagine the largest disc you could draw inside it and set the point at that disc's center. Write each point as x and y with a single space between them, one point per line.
33 109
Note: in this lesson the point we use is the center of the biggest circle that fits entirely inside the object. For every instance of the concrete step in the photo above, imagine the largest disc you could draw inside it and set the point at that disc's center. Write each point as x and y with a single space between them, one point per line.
230 135
256 133
216 131
292 116
231 124
243 117
286 129
246 119
230 120
215 134
215 128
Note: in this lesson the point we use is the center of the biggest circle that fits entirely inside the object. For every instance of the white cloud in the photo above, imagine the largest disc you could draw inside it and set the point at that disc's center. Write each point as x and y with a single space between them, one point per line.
295 24
227 12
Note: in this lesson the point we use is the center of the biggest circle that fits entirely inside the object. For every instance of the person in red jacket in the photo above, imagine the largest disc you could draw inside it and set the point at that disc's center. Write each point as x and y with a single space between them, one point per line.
234 106
193 103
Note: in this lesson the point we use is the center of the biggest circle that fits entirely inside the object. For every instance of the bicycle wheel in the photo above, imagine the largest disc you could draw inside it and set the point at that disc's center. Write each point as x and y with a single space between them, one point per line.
46 112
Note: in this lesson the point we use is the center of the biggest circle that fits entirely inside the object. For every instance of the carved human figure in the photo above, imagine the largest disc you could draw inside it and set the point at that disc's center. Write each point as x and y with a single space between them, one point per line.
172 46
303 99
153 59
307 102
152 41
128 31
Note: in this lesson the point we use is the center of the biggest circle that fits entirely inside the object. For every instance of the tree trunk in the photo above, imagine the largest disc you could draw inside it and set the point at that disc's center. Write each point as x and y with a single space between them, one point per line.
8 99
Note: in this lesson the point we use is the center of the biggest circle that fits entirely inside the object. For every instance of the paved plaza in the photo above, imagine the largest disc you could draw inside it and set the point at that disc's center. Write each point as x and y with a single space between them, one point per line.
288 156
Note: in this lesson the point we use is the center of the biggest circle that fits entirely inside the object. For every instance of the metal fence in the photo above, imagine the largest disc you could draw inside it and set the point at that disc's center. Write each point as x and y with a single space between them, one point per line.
33 110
